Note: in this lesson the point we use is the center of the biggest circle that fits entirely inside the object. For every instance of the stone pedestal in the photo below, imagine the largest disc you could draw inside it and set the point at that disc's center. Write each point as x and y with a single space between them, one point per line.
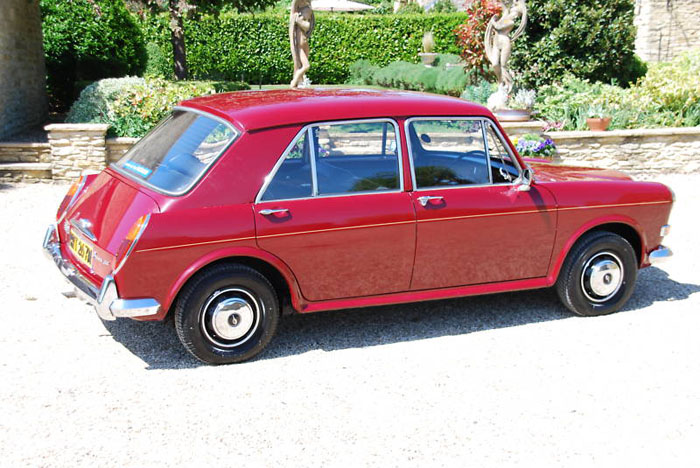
76 148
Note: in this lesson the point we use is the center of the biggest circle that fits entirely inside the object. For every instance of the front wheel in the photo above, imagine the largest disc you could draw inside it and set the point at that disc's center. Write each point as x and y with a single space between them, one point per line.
227 314
598 275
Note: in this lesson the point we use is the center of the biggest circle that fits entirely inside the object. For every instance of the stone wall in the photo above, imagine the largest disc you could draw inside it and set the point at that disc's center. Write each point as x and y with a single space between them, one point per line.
76 148
116 147
22 73
665 28
655 151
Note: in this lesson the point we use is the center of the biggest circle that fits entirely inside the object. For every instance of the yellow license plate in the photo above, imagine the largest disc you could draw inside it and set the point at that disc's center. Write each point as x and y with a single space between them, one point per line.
80 249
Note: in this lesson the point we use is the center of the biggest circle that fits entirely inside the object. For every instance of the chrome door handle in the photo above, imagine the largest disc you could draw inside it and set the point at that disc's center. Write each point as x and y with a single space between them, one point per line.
425 200
267 212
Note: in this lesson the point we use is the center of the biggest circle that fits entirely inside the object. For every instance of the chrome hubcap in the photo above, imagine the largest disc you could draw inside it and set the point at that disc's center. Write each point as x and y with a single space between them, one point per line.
602 276
229 316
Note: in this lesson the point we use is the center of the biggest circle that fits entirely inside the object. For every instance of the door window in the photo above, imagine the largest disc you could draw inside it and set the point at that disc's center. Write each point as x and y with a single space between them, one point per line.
448 152
339 158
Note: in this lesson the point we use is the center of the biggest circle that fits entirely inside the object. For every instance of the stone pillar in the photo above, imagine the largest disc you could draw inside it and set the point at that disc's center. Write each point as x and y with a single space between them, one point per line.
22 73
666 28
76 148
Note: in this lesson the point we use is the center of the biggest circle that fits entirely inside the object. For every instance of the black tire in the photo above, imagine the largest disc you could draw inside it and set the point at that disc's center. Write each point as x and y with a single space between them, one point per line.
588 283
218 301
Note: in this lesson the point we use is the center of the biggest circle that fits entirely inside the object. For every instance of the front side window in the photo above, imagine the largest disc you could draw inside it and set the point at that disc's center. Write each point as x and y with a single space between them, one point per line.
448 152
177 152
339 158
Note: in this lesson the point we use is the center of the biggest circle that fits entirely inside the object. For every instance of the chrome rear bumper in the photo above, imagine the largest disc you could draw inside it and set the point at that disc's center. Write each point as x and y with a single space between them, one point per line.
659 255
105 299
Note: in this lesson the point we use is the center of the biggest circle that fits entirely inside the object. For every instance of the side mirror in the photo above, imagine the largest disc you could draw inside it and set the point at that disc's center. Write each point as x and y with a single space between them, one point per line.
525 180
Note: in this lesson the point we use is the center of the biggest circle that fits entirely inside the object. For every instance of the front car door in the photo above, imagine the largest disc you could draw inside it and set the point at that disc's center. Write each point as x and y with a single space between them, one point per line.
474 226
334 210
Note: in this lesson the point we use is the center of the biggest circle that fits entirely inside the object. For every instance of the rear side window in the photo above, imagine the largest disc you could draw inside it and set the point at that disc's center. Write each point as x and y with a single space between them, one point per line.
174 155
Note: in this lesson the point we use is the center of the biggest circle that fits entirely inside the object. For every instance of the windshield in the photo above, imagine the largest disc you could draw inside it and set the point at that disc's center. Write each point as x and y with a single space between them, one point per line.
175 154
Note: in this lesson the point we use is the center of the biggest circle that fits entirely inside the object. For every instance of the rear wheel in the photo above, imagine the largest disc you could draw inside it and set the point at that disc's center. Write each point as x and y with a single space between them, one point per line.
598 275
227 314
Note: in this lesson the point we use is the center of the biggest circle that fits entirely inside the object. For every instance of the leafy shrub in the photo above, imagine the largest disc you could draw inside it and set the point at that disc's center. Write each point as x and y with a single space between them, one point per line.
591 39
255 48
362 72
669 95
133 105
479 92
88 40
470 34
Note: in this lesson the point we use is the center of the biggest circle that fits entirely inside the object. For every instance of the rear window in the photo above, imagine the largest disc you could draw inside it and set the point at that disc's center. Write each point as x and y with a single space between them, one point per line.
175 154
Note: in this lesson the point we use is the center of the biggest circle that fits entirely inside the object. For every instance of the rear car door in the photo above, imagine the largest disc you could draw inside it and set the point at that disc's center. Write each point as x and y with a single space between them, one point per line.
334 210
473 225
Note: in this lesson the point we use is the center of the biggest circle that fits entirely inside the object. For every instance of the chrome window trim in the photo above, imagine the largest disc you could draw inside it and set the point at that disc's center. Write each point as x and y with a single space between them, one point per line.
485 122
236 134
499 135
312 157
307 128
485 137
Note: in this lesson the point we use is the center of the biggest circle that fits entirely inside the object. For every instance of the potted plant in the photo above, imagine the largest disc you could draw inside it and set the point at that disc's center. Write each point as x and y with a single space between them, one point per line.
535 146
597 120
428 56
519 107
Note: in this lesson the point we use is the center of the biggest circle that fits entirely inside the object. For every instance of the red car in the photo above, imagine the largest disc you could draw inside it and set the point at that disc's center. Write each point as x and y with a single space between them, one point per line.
239 207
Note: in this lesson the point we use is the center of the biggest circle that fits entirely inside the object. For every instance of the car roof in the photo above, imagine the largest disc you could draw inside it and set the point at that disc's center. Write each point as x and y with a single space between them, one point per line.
254 110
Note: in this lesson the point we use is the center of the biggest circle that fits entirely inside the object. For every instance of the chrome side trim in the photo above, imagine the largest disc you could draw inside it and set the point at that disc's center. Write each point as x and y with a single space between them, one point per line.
307 128
104 299
237 133
660 254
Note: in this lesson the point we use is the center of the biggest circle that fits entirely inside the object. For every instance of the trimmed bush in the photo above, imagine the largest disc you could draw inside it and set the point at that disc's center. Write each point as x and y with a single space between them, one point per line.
88 40
404 75
255 48
133 105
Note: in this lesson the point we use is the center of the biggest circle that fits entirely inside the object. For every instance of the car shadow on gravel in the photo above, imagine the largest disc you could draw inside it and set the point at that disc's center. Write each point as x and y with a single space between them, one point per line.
158 346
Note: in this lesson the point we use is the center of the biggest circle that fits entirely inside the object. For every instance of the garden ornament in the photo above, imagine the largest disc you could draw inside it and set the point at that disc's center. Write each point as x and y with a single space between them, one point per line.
498 40
301 25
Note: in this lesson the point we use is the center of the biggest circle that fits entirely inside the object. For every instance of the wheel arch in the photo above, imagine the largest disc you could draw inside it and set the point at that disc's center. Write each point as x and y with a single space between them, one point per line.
625 227
274 269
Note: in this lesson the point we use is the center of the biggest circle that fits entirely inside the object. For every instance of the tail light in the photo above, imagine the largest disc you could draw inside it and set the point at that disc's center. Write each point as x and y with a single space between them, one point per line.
129 242
70 197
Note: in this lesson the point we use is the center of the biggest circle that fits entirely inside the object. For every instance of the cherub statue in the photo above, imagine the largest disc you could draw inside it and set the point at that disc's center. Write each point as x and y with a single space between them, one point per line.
301 25
499 43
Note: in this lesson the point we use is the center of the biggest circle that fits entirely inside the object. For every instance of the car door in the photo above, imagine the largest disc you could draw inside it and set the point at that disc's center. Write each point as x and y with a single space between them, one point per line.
335 212
473 225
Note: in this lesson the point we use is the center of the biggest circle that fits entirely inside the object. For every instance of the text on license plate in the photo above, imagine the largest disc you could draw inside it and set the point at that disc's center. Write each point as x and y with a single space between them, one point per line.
80 249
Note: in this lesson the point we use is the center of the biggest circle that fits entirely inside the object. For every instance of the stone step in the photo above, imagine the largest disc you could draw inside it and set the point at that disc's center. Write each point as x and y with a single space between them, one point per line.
11 152
17 171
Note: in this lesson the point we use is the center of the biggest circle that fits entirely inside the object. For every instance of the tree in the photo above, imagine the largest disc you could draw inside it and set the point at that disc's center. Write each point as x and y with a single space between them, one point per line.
179 9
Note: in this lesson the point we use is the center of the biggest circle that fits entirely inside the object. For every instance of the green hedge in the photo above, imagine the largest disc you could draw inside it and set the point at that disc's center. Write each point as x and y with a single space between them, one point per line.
255 48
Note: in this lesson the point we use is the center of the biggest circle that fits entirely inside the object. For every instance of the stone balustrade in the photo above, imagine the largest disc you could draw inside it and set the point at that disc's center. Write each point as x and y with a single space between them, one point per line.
75 148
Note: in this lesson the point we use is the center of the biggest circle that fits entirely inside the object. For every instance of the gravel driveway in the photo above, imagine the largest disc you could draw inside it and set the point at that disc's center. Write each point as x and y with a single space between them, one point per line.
510 379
